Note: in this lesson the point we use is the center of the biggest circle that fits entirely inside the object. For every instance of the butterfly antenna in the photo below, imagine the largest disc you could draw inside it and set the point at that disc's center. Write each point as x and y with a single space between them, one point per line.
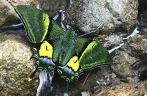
93 31
30 78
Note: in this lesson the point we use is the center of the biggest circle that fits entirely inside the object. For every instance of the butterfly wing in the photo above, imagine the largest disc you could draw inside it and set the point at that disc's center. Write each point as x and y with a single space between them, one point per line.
93 55
89 54
38 24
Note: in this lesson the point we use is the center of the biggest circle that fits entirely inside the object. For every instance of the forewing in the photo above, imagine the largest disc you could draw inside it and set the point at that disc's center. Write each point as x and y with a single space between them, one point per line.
35 21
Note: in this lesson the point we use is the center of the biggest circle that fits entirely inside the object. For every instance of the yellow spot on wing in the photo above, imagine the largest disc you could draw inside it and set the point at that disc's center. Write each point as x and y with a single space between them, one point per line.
45 24
73 63
46 49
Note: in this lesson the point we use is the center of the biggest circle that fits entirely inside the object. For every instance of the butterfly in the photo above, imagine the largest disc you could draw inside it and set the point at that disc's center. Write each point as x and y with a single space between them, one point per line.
56 49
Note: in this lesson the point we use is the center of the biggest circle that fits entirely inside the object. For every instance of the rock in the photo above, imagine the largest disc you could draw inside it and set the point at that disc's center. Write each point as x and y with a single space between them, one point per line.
7 15
138 89
113 40
86 15
85 94
145 94
129 65
116 16
15 66
128 60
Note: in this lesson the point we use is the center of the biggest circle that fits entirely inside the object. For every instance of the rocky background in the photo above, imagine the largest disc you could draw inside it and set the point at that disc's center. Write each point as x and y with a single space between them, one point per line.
125 77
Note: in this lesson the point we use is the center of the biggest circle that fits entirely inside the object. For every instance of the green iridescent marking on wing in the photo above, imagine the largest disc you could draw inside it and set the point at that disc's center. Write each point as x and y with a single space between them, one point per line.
35 21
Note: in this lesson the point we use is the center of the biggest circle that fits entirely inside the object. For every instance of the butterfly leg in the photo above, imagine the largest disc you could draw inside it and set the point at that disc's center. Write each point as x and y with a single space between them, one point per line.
62 18
56 17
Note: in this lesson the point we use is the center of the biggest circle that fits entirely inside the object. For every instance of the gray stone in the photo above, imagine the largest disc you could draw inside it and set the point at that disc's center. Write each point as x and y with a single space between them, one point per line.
115 15
15 66
129 60
6 13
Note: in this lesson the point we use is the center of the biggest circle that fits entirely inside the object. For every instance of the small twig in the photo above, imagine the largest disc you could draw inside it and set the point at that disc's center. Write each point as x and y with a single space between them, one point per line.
86 78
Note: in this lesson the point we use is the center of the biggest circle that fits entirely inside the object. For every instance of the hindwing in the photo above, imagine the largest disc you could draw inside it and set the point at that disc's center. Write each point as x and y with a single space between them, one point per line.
90 54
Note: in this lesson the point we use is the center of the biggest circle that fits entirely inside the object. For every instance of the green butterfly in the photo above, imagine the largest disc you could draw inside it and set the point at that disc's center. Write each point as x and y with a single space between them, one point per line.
55 49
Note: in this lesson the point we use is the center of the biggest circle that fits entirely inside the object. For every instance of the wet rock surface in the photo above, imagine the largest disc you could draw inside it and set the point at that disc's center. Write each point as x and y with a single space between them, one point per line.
125 77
